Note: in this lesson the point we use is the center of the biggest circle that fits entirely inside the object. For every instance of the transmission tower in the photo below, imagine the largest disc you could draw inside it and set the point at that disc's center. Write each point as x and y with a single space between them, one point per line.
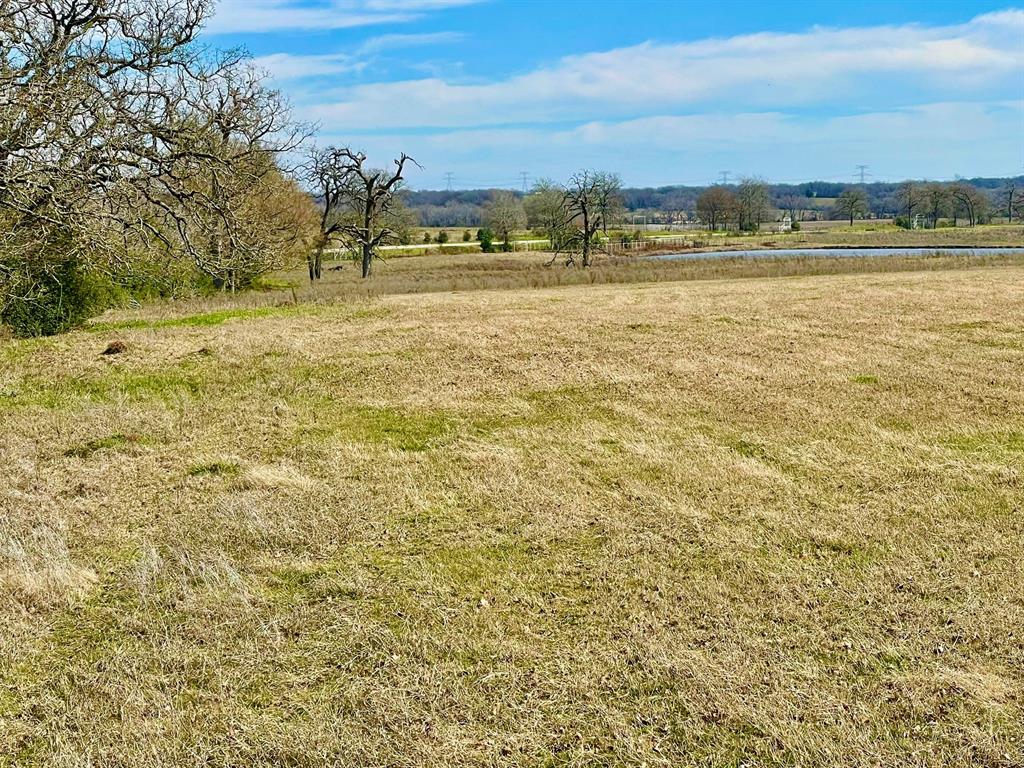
862 171
725 177
525 176
449 177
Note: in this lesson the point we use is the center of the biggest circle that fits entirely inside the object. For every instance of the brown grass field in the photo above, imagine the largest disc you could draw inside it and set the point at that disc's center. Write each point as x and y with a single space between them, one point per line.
763 514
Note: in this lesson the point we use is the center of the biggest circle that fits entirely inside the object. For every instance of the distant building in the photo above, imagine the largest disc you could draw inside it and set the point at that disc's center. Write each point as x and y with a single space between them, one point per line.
786 224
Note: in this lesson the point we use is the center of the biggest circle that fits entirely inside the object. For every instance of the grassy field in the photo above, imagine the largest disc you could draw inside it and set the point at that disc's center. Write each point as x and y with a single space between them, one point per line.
769 521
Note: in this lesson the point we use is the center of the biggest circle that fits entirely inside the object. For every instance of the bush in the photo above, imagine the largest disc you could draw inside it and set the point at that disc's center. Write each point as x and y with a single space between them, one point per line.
795 226
57 300
426 237
486 238
467 236
442 237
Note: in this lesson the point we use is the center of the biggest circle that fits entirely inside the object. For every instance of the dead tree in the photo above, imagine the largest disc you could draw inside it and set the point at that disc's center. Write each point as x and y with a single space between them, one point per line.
363 205
326 176
1013 201
588 200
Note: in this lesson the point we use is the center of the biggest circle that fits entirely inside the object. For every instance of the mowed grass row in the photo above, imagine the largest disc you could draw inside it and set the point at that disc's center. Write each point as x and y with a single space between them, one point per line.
768 522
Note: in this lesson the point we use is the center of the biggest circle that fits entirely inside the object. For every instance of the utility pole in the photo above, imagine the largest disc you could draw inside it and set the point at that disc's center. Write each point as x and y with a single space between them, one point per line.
525 177
862 171
725 177
449 177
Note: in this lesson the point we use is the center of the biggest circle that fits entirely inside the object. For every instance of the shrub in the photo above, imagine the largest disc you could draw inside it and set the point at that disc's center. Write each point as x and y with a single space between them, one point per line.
426 237
442 237
486 238
56 300
795 226
467 236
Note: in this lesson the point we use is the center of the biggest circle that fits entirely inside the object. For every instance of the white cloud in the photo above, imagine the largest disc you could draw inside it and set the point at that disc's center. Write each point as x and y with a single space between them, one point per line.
283 15
399 41
417 5
289 67
767 70
940 139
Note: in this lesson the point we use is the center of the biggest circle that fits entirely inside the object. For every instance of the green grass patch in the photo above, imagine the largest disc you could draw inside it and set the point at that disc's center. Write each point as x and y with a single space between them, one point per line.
476 567
865 378
221 316
750 450
563 405
217 467
71 392
402 428
204 320
987 443
273 284
302 582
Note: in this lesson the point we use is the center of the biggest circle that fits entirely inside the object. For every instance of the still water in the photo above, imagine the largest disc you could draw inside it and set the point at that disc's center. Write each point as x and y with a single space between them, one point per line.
832 252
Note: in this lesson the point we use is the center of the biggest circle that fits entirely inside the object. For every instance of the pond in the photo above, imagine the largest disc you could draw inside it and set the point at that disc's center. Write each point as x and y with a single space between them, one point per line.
765 253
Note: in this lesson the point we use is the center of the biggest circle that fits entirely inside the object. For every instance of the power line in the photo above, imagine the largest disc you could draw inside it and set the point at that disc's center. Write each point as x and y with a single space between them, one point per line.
525 177
725 177
449 177
862 171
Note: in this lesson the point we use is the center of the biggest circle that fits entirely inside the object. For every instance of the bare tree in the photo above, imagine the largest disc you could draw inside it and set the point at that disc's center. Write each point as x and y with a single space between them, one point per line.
936 201
675 207
363 204
1012 198
792 204
969 201
852 203
752 203
545 213
326 174
588 199
117 129
715 206
505 214
908 198
217 194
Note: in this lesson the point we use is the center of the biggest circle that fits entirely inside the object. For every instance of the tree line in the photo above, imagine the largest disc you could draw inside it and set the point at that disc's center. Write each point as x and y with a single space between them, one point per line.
675 204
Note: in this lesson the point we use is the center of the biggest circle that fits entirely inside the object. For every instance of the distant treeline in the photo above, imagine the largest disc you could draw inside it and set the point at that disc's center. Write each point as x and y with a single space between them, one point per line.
814 199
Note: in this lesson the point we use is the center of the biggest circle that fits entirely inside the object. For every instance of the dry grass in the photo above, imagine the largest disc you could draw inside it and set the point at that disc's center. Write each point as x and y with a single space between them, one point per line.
882 234
765 522
506 271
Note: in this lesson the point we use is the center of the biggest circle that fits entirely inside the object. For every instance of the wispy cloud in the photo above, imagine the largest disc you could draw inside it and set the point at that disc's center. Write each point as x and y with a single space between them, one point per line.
285 67
763 70
417 5
399 41
937 140
239 16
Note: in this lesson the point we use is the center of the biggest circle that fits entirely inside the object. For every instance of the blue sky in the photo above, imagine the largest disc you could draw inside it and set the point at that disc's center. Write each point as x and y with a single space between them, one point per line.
662 92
